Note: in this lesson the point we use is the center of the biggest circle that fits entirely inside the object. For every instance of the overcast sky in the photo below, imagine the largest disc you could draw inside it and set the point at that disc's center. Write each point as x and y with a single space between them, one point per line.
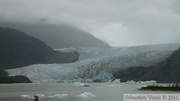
118 22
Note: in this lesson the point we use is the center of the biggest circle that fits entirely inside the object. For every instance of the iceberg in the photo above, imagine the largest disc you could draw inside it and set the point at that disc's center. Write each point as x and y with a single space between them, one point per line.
32 97
40 95
86 94
58 96
130 82
27 96
81 84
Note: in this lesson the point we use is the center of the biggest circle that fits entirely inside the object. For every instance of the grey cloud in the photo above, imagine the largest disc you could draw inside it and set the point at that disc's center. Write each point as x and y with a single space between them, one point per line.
119 22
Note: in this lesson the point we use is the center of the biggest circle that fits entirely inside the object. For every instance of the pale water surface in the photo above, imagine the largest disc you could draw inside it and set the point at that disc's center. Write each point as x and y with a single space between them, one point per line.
102 91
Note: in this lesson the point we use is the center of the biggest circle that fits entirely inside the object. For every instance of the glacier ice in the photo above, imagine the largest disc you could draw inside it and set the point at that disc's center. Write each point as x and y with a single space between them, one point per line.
140 82
58 96
96 64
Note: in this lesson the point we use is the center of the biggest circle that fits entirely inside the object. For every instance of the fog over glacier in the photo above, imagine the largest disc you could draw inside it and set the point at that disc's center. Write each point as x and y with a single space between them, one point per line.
96 64
118 22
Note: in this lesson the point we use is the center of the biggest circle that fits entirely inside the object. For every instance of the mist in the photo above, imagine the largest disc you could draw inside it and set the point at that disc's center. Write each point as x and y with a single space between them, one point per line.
117 22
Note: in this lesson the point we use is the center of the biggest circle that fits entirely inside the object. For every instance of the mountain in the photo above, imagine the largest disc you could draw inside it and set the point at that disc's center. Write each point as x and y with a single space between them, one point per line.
3 73
97 64
18 49
167 71
4 78
59 36
131 73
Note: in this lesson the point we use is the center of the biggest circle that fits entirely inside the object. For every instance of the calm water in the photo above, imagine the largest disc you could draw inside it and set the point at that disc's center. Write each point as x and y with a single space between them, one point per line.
102 91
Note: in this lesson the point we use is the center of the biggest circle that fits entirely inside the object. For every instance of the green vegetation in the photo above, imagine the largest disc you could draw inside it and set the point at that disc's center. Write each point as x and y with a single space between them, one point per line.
174 87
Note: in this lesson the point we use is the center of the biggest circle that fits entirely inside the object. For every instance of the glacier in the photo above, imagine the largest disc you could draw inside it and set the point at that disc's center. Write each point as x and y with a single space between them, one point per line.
96 64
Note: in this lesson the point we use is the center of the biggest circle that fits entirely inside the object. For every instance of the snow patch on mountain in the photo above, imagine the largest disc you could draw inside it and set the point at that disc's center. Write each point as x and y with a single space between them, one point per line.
96 64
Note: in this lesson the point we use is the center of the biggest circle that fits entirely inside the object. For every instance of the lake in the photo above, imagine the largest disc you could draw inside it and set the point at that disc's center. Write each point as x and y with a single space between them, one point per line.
70 92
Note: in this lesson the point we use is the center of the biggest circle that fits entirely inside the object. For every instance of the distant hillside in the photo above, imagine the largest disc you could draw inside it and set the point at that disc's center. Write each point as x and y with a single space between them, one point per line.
4 78
18 49
167 71
59 36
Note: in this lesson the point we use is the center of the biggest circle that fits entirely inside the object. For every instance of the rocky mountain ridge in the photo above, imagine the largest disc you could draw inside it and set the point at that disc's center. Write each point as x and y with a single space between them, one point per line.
19 49
167 71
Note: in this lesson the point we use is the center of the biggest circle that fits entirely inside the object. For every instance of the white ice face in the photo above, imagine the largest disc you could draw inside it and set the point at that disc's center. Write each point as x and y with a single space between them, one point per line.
96 63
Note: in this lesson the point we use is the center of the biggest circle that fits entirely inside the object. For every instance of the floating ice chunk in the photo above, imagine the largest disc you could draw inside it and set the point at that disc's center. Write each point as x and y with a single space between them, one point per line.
64 95
50 96
40 95
86 94
139 87
27 96
84 85
130 82
56 95
152 81
59 96
77 83
32 97
81 84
